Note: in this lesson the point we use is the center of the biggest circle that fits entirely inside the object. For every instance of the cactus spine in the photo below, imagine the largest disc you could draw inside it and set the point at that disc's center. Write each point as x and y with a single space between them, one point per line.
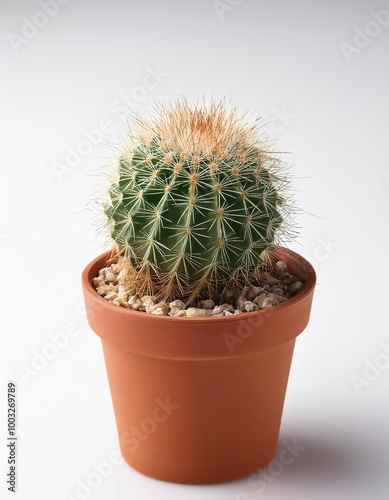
197 202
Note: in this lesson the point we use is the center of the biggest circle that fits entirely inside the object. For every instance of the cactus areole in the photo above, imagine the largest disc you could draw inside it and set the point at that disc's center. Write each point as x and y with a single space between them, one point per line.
197 203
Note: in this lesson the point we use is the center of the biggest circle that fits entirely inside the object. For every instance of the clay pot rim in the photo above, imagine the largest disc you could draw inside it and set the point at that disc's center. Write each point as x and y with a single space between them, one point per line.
309 282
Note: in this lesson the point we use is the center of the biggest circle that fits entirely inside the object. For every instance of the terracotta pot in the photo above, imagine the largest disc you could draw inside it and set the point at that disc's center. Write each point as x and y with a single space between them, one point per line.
199 400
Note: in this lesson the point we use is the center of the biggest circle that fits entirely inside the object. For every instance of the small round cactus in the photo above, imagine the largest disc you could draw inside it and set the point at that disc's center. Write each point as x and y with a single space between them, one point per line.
197 203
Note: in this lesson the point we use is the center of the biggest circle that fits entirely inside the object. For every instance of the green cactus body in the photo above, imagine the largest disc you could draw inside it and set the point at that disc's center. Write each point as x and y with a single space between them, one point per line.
196 214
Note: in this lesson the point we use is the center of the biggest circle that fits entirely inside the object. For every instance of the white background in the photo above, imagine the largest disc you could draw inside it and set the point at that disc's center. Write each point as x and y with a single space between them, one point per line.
317 72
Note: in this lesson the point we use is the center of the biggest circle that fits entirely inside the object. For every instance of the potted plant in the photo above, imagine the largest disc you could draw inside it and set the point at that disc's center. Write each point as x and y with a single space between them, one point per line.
197 303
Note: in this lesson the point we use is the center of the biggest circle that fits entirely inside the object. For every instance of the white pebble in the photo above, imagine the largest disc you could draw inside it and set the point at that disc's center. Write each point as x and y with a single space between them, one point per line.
253 292
263 301
280 269
97 282
295 287
103 290
135 303
194 312
103 272
179 314
158 309
242 297
149 298
249 306
227 307
111 295
110 276
176 306
121 300
206 304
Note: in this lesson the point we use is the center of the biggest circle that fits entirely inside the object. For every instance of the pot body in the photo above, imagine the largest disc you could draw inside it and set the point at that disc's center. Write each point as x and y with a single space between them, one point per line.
199 400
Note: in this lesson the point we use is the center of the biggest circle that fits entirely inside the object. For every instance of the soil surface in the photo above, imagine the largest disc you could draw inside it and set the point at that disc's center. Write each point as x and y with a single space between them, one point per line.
270 290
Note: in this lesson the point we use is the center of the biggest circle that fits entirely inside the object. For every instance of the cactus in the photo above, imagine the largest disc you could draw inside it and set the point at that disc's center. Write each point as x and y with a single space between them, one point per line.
196 204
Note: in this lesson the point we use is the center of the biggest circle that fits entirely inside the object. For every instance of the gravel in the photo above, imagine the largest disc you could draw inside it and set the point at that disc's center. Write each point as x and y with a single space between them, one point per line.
271 289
